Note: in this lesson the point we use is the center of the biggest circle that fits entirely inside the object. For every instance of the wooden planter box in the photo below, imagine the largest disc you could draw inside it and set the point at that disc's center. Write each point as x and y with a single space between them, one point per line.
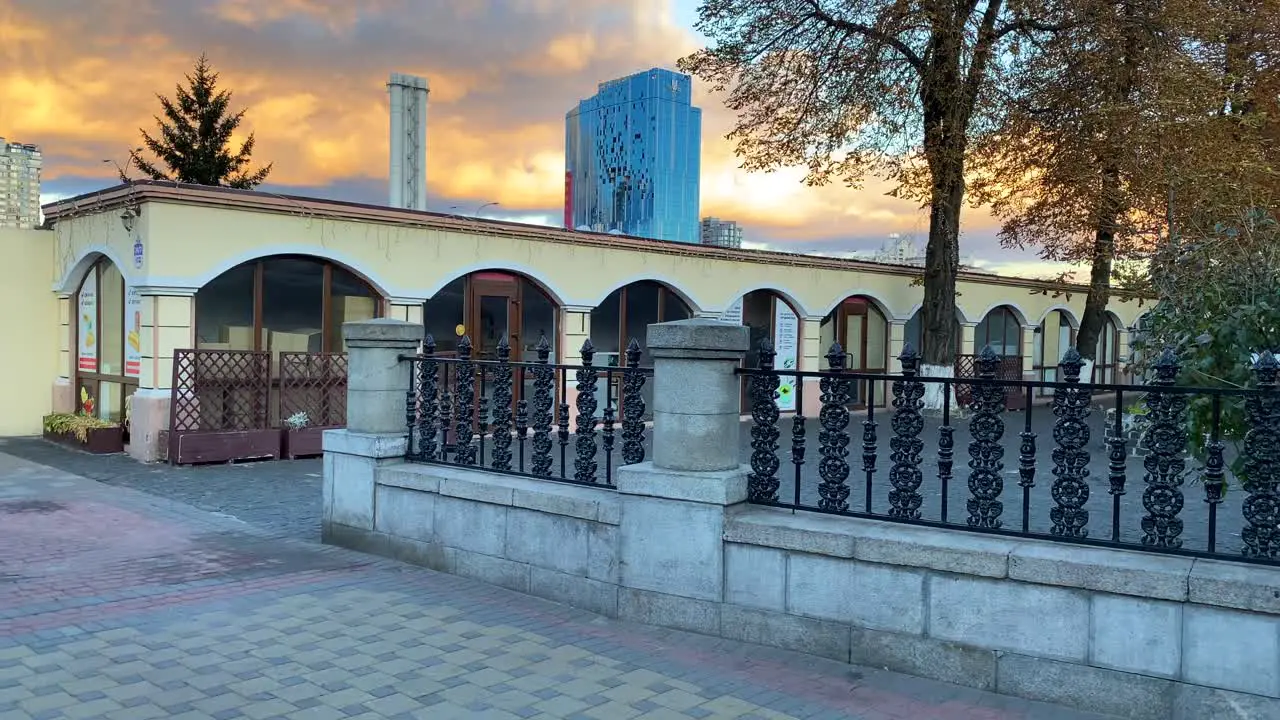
307 442
199 447
98 441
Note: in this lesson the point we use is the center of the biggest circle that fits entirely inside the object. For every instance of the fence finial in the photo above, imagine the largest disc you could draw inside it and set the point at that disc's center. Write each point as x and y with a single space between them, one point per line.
1072 362
909 358
836 357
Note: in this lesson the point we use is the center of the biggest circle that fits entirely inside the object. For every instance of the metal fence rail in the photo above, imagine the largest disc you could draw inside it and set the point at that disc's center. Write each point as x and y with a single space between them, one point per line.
470 413
1063 499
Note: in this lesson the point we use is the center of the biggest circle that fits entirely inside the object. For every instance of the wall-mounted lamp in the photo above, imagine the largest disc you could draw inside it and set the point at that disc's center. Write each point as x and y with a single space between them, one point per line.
129 217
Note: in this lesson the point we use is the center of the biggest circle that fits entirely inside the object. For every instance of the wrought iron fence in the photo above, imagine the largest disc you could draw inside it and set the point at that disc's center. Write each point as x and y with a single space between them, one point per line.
1062 499
314 384
468 412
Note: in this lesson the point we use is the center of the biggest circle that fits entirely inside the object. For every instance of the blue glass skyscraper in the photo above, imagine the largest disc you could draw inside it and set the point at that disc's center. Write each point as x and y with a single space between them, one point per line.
632 158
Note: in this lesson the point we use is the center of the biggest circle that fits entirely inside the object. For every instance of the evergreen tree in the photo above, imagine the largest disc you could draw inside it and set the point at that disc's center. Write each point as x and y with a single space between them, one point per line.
195 135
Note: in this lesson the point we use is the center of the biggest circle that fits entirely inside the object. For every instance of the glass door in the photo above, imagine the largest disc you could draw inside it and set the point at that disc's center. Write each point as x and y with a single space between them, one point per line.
494 315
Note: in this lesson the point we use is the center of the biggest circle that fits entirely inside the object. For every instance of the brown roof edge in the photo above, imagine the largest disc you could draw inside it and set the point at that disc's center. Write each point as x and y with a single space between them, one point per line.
140 191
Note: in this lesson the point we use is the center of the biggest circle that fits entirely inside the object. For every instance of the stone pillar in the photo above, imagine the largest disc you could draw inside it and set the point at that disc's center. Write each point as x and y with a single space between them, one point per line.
573 329
813 358
1028 351
671 555
375 434
167 325
968 334
64 391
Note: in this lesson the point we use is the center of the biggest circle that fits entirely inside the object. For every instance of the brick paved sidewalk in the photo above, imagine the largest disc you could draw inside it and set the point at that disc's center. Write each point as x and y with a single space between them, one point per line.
119 604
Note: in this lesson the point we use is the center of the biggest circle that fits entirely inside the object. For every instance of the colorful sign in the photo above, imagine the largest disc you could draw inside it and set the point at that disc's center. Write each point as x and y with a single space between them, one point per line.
786 342
87 324
132 332
733 314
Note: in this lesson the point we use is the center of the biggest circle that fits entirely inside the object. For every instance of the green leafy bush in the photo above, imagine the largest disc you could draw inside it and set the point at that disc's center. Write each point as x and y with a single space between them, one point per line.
76 425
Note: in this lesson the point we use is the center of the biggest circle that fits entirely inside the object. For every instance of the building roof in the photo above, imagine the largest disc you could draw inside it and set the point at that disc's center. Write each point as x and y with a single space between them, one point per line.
141 191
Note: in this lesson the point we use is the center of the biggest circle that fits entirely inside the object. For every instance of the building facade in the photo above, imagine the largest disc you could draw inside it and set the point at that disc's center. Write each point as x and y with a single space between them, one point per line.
227 272
633 157
19 185
721 233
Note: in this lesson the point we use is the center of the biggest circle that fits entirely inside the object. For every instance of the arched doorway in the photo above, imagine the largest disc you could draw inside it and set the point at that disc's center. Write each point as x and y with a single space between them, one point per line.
769 315
1001 330
108 344
862 329
1055 335
487 306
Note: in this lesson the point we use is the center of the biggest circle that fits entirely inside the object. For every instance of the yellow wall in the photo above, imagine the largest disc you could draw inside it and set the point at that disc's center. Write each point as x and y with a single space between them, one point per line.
30 327
193 244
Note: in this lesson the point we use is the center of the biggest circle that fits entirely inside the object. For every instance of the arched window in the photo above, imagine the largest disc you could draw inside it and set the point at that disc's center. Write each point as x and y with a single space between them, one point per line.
108 343
1104 370
1001 330
282 304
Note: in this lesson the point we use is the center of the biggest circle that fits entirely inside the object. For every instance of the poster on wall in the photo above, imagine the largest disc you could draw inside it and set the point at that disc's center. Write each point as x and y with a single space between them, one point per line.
786 341
132 332
88 324
733 314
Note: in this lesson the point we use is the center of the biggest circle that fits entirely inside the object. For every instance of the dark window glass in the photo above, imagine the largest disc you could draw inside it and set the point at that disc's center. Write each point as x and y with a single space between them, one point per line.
292 305
224 311
350 300
443 313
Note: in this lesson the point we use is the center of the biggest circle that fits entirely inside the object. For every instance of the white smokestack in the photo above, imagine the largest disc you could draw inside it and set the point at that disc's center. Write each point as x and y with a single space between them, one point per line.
408 141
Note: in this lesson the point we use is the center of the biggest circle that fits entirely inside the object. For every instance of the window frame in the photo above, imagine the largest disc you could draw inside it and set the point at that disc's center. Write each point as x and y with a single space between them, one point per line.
84 379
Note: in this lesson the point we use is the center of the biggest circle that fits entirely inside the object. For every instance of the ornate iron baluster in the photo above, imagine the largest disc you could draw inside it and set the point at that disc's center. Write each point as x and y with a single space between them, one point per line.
762 483
607 427
907 423
522 427
1165 463
544 381
1070 459
1262 464
833 491
482 410
563 423
946 451
464 451
428 380
502 376
986 454
585 443
447 415
632 407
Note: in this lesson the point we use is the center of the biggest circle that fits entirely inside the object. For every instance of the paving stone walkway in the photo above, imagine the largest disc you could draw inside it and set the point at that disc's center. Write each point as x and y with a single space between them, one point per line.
123 605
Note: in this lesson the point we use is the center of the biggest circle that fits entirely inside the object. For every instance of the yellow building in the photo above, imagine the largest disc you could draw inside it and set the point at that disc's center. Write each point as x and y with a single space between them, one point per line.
152 271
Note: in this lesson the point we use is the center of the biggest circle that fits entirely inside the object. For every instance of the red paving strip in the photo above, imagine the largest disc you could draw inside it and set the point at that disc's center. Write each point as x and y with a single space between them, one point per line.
165 601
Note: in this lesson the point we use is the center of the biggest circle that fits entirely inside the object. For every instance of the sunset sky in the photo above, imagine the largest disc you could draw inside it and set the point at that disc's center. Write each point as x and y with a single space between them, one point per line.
79 78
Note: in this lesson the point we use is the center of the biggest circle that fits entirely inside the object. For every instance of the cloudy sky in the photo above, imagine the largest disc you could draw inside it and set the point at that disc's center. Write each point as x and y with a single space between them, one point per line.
79 78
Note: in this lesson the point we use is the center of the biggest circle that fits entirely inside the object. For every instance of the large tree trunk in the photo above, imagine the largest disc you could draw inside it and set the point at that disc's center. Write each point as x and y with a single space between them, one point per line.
938 313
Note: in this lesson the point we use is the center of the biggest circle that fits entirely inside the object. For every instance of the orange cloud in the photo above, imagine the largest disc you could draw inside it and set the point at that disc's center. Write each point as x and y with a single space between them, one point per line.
312 74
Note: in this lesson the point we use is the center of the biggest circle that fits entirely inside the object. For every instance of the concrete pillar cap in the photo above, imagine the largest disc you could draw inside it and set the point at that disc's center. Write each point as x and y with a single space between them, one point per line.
700 335
382 332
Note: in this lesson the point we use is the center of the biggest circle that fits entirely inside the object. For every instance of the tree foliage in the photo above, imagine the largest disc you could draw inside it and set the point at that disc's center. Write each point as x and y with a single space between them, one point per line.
1219 290
194 138
896 88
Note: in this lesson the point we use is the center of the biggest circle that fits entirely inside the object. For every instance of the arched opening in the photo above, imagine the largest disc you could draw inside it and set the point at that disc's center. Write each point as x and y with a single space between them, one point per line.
1107 365
913 333
1055 335
862 329
627 312
108 343
1001 330
490 305
282 303
767 314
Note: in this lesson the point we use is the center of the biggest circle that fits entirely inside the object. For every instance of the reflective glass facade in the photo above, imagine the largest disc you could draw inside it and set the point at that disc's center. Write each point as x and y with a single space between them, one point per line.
632 158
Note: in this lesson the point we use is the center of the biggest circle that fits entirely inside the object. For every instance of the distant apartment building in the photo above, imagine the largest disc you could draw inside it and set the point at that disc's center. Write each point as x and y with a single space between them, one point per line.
720 233
19 185
633 156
